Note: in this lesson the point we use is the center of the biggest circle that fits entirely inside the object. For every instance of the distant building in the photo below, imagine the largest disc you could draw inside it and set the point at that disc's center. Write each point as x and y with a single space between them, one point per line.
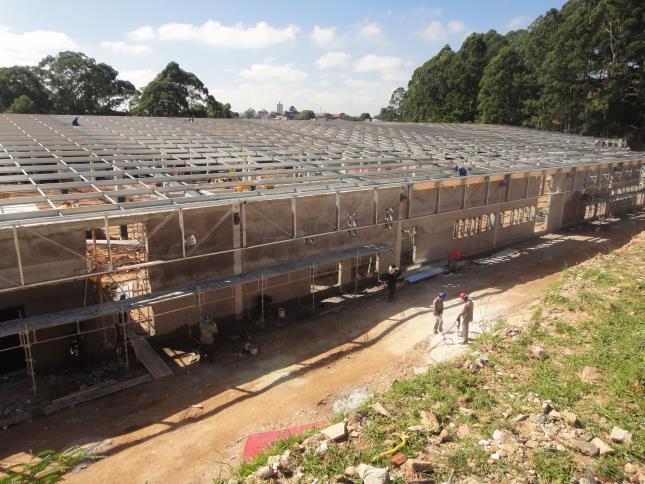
280 108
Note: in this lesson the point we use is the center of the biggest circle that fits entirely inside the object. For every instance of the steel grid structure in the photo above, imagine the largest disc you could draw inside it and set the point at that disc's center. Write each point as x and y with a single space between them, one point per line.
51 169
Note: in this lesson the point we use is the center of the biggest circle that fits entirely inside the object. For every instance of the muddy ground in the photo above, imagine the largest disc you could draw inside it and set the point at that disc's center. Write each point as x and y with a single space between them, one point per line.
190 427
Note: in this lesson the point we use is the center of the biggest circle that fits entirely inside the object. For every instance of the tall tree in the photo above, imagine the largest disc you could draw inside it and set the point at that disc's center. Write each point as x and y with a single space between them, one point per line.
78 85
503 88
20 81
175 92
24 105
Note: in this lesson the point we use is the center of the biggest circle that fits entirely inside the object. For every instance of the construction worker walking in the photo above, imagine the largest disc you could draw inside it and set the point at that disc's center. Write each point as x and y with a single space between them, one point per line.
465 317
207 332
437 306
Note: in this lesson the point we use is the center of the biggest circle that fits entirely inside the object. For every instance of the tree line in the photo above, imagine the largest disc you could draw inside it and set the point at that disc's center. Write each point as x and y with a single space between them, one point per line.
580 69
73 83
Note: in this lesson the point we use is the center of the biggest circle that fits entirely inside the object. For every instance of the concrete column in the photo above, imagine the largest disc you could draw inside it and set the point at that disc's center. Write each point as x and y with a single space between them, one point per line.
344 273
238 294
398 226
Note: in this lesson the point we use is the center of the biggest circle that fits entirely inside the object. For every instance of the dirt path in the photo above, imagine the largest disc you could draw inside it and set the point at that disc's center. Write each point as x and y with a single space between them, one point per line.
157 435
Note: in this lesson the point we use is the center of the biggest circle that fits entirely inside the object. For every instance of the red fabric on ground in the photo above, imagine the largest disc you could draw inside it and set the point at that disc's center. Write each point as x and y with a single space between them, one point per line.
257 443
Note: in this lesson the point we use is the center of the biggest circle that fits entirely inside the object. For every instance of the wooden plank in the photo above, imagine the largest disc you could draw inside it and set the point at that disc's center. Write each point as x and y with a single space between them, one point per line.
148 356
93 392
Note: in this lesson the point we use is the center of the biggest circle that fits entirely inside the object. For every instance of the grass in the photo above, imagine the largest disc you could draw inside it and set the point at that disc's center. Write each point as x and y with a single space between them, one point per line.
592 317
45 467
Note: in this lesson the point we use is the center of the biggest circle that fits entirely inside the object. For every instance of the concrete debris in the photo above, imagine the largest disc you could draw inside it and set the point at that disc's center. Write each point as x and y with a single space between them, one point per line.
521 417
312 442
263 473
416 428
509 333
602 446
444 436
586 448
430 422
538 353
336 432
494 456
380 409
322 448
373 475
483 443
419 466
620 436
398 459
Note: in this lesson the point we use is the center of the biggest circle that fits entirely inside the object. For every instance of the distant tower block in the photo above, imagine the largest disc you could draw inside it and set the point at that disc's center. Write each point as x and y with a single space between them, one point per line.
280 109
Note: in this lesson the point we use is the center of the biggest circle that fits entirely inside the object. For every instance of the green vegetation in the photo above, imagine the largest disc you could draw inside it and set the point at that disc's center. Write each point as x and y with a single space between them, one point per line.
45 467
72 83
579 69
590 323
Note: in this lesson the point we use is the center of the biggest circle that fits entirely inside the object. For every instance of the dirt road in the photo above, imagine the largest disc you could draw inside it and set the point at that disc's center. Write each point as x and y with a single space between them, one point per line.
156 434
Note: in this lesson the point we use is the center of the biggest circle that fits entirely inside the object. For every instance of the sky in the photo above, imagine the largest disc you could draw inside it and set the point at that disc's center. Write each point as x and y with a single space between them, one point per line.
335 56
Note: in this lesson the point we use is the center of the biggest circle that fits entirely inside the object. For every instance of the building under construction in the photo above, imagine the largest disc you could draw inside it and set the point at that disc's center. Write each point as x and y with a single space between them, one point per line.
128 225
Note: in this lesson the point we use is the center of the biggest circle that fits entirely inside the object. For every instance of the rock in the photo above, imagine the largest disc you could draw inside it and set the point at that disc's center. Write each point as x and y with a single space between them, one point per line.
380 409
351 471
416 428
502 436
570 418
463 431
586 448
354 434
336 432
430 422
444 436
312 442
418 465
494 456
466 412
373 475
589 375
555 415
532 444
620 436
467 364
588 480
629 468
547 406
538 353
322 447
602 446
264 473
484 443
521 417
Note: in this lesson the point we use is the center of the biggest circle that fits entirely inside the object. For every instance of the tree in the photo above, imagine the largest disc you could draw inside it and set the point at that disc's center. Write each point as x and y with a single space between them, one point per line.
262 114
306 114
249 113
23 104
78 85
175 92
292 109
17 81
503 89
365 116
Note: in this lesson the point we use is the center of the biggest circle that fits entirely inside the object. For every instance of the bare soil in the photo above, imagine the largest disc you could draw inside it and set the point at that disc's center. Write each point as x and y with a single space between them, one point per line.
190 427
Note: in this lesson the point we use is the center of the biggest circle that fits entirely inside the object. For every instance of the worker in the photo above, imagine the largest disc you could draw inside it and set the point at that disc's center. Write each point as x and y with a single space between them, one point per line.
207 332
465 317
462 170
75 122
437 306
393 273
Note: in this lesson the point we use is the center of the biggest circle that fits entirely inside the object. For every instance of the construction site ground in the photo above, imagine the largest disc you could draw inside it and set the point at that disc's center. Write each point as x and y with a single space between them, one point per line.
191 426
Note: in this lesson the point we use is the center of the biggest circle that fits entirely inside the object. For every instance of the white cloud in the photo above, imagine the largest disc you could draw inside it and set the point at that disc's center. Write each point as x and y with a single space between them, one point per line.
517 23
371 31
271 72
125 48
138 77
332 59
30 47
437 31
142 34
323 35
390 68
217 35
